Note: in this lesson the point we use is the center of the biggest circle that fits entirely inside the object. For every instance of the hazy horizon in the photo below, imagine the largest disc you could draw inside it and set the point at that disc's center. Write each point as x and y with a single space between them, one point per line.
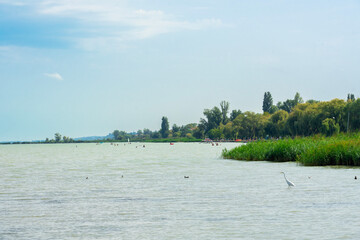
86 68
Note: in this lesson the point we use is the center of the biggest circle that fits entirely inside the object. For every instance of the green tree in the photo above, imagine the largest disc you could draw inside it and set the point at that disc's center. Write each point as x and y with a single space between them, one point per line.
224 111
352 116
175 128
164 131
116 134
188 128
273 109
212 119
234 114
289 104
312 101
198 133
350 97
215 134
147 132
298 99
329 127
139 133
155 134
57 137
250 124
267 102
276 126
228 130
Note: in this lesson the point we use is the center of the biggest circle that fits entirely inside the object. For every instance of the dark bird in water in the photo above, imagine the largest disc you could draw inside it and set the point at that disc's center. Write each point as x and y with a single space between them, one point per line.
87 178
355 178
186 176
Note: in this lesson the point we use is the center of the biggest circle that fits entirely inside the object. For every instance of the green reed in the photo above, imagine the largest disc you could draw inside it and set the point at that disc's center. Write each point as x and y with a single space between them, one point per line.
342 149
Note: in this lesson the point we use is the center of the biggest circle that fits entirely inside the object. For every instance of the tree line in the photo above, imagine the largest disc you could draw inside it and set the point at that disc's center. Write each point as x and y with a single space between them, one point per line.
290 118
293 117
59 139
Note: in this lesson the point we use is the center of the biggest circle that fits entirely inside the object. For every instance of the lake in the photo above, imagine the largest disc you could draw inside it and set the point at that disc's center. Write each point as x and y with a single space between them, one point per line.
89 191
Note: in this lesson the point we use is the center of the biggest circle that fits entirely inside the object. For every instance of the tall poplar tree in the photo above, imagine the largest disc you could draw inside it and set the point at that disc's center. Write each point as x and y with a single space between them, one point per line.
224 111
267 102
164 131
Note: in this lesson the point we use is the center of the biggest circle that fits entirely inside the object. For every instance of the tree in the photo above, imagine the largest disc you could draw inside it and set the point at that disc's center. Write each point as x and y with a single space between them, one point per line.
289 104
57 137
352 113
350 97
329 127
267 102
147 132
212 119
224 111
139 133
198 133
276 125
273 109
250 124
298 99
312 101
155 134
116 134
175 128
186 129
164 131
215 134
234 114
228 130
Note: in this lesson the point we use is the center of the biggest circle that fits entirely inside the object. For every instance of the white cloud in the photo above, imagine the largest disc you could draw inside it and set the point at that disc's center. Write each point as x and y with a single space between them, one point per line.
114 21
56 76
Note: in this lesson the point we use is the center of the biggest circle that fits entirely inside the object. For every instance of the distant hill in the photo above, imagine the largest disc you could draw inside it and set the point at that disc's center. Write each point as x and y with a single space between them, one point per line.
93 138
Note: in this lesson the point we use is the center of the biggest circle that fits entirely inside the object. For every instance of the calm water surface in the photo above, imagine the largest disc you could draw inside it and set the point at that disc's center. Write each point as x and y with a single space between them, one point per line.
141 193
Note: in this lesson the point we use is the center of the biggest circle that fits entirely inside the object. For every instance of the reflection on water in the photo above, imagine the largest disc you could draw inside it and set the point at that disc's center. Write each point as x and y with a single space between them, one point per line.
128 192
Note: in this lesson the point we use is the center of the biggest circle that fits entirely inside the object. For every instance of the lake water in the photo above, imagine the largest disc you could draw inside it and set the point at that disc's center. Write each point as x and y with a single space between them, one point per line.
141 193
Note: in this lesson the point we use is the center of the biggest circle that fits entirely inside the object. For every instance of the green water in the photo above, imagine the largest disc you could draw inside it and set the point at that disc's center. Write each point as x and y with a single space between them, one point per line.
132 192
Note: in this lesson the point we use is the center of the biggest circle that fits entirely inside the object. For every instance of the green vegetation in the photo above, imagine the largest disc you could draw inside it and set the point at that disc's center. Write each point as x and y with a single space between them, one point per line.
164 131
174 140
57 139
291 118
342 149
288 119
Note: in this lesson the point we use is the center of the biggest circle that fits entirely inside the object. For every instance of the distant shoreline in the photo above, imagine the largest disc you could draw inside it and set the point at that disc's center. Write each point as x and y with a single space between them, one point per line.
165 140
105 141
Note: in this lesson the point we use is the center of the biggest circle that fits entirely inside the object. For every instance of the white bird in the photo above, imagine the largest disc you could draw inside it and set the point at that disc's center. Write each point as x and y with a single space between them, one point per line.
291 184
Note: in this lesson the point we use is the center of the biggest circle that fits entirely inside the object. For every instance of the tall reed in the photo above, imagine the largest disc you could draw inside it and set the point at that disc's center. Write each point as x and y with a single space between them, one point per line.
310 151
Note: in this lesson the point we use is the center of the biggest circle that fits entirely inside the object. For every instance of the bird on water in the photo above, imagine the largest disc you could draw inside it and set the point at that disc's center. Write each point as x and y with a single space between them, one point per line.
289 183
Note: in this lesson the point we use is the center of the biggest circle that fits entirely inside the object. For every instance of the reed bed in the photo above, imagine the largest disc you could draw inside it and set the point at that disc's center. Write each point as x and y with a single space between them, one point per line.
310 151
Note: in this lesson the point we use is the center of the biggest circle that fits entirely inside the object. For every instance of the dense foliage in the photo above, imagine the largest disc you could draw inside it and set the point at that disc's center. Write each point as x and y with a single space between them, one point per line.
289 118
343 149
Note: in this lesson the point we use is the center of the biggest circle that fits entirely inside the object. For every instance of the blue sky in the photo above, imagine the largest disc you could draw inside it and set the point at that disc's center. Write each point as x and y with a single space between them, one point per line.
86 67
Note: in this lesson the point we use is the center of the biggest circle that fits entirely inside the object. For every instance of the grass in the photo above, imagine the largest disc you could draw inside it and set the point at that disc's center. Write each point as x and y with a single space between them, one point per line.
342 149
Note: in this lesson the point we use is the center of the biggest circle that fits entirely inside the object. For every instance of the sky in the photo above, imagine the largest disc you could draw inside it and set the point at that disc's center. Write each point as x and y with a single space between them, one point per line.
86 67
